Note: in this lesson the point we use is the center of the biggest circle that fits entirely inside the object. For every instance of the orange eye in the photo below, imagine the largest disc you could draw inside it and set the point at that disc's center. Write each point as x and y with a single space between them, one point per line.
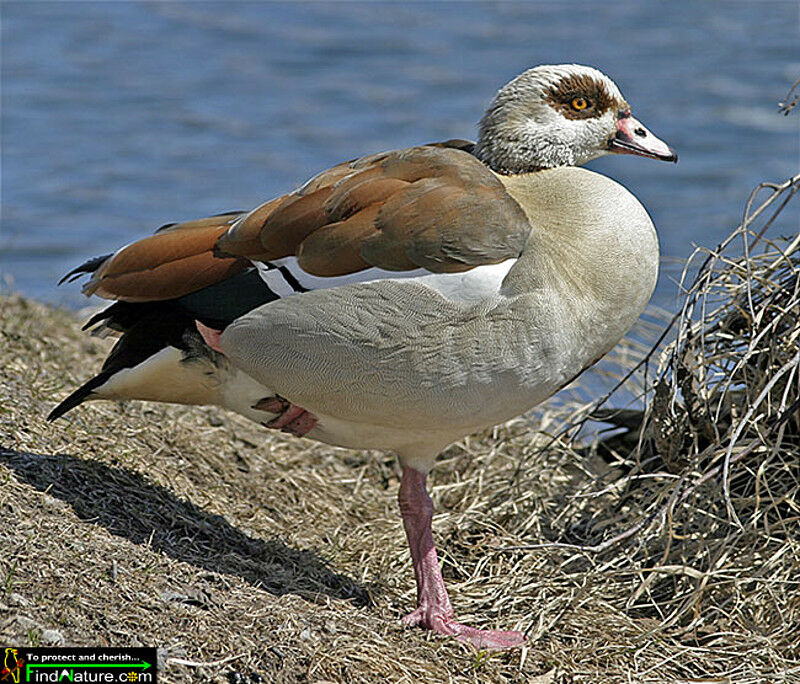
579 103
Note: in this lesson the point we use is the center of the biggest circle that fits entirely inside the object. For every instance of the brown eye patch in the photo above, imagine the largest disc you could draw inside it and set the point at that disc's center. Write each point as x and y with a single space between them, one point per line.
579 96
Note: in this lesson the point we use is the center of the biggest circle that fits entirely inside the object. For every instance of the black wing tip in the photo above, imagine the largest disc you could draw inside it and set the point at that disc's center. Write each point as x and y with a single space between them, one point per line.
84 392
56 413
73 400
88 266
99 317
74 273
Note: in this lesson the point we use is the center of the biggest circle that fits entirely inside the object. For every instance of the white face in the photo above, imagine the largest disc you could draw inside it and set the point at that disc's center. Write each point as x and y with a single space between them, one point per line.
560 115
564 134
564 142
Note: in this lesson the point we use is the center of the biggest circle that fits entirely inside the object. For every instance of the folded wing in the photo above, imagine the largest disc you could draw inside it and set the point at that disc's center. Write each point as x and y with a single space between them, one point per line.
434 207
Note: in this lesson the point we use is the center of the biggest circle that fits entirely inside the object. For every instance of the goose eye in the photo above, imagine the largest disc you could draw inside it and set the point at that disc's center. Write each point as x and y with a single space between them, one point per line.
579 103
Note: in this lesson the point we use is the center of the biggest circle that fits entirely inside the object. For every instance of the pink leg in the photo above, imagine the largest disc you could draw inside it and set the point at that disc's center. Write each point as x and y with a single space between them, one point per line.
210 335
434 611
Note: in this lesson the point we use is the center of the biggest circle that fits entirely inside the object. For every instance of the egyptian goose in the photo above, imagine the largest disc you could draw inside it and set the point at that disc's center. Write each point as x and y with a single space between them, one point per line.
403 300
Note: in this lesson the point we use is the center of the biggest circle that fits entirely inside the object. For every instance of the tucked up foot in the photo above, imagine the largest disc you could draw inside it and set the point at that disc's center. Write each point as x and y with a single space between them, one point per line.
436 620
292 419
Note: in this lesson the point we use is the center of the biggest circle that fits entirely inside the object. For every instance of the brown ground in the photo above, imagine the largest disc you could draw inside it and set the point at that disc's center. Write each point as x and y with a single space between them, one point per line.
248 556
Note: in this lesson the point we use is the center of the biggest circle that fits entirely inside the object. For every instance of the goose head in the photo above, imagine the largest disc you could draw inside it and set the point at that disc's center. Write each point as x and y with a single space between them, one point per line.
561 115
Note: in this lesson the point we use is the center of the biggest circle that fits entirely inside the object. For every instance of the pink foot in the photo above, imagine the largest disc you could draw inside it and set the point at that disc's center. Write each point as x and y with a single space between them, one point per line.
210 335
292 419
490 639
301 425
434 611
286 417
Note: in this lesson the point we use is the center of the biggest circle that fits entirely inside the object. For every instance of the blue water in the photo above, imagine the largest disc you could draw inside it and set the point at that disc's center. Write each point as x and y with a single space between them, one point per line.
120 116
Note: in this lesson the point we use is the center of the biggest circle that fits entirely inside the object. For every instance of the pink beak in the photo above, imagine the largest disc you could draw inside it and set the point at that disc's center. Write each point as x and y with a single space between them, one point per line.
633 138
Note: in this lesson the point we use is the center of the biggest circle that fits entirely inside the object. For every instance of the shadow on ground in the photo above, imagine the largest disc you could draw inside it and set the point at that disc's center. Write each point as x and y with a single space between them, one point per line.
129 506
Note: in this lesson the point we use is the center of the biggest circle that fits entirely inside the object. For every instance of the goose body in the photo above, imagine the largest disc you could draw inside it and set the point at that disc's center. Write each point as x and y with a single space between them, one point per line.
404 300
478 348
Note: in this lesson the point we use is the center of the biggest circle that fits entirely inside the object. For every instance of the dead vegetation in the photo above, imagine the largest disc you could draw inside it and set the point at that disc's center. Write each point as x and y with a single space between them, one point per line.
666 552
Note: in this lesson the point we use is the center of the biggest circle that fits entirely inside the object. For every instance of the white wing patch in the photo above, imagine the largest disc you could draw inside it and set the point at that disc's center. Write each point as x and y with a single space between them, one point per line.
478 284
312 282
284 277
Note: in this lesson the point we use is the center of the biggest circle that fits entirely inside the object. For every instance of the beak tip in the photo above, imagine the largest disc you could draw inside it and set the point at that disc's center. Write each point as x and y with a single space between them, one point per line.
631 137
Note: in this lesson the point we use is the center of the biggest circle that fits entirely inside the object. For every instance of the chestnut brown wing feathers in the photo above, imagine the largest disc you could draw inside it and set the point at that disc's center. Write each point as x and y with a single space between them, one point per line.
176 260
435 207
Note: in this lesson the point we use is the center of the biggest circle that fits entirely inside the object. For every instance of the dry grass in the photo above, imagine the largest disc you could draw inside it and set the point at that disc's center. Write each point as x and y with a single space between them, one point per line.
668 553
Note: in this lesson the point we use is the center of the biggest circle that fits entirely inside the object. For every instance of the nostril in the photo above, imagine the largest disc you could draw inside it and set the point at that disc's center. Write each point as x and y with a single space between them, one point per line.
640 132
